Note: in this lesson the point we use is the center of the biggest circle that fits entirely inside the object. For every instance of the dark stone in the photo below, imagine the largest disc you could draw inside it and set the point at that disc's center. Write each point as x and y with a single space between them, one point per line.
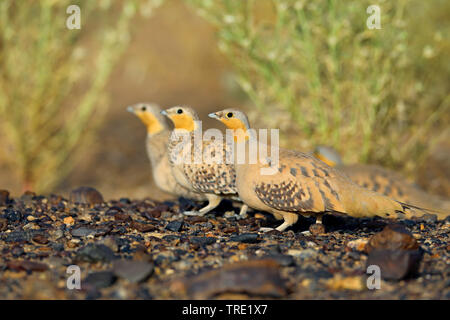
57 246
95 252
203 240
396 264
25 265
17 251
3 224
41 239
98 280
113 211
429 218
133 270
86 195
17 237
175 226
142 227
12 215
393 237
246 238
86 231
260 278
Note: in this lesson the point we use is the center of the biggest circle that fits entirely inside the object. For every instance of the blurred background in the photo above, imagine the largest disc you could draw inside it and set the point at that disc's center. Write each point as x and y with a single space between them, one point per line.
311 68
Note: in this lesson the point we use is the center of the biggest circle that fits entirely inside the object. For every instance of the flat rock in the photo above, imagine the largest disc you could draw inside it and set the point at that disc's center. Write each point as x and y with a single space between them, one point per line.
246 238
95 252
133 270
98 280
25 265
175 226
255 278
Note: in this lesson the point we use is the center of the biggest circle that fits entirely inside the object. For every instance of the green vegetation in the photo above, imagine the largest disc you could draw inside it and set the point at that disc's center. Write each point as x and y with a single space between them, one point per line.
375 95
52 81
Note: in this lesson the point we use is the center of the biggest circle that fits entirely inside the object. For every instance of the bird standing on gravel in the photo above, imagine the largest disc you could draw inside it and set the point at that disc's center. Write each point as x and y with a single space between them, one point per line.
156 144
303 185
212 179
382 180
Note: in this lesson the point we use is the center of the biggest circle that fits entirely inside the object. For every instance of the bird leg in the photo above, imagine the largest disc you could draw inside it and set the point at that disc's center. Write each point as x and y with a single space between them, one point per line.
289 220
243 211
213 202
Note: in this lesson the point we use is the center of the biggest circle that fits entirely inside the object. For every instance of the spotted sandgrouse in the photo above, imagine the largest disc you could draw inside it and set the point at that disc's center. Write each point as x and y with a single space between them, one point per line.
302 184
381 180
193 164
156 144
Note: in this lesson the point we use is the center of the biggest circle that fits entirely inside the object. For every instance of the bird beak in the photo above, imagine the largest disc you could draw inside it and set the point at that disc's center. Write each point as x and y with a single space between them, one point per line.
164 113
213 115
130 109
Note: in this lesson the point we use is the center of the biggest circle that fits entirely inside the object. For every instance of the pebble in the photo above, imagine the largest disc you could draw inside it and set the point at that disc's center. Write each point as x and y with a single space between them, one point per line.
339 282
69 221
95 253
99 280
202 240
302 254
246 238
396 264
133 270
41 239
12 215
175 226
26 265
3 224
259 278
142 227
87 231
393 237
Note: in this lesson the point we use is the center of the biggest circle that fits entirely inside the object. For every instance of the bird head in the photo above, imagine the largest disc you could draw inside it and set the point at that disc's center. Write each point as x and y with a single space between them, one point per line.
183 117
235 120
149 113
328 155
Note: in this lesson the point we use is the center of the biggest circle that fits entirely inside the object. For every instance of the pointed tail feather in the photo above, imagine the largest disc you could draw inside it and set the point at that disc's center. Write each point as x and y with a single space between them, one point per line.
365 203
414 211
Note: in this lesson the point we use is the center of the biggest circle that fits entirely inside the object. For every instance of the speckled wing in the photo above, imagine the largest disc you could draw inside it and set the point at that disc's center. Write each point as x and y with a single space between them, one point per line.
302 184
212 175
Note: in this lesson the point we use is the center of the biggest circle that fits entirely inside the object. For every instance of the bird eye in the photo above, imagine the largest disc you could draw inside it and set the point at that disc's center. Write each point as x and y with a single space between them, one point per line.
230 115
180 111
144 108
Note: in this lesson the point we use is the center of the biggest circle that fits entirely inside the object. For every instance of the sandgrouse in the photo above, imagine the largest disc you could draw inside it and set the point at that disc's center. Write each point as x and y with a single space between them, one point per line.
194 165
156 144
381 180
302 184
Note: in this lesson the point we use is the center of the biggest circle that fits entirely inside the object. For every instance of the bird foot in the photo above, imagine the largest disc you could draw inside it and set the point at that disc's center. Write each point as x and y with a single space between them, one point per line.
193 213
266 229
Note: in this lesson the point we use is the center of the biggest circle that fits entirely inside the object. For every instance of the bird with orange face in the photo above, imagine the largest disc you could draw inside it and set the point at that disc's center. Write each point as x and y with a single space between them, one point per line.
303 185
156 145
213 179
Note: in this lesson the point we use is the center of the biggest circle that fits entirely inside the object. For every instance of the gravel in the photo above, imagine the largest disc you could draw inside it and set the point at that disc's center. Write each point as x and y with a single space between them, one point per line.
144 249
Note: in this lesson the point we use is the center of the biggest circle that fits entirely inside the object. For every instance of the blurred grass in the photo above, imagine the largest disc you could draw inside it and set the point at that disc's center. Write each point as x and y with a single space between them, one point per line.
52 81
314 70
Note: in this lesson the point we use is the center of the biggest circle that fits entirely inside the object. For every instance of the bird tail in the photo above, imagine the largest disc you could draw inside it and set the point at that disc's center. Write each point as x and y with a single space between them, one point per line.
365 203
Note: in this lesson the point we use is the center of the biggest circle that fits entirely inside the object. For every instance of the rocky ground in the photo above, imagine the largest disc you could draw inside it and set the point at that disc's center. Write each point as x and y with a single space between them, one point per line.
148 250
